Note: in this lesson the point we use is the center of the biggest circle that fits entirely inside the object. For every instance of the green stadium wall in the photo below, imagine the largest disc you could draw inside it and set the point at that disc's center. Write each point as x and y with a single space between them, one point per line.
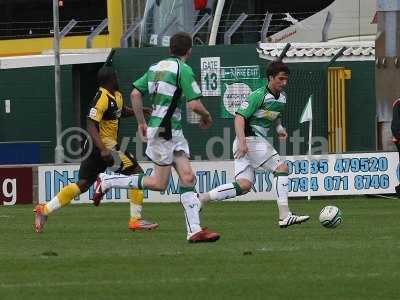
32 116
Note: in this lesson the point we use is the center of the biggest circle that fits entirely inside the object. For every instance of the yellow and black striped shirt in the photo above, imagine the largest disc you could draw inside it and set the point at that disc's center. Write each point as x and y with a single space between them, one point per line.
106 110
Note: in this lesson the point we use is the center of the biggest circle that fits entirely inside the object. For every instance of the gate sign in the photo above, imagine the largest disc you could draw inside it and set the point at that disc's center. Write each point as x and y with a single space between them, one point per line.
210 82
15 186
237 83
239 73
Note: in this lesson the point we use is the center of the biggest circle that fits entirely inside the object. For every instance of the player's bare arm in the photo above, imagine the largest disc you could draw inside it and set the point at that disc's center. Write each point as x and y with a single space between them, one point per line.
239 130
129 112
94 134
137 106
280 130
197 107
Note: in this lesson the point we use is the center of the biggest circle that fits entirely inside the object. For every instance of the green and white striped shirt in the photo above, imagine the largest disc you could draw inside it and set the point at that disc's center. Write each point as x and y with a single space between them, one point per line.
260 110
165 82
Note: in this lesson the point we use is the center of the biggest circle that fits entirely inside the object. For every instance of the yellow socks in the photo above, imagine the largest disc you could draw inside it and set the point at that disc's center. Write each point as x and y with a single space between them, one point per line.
63 198
136 203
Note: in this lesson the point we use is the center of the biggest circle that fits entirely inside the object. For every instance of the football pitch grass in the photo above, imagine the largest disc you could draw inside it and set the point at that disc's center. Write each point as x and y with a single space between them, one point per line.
87 252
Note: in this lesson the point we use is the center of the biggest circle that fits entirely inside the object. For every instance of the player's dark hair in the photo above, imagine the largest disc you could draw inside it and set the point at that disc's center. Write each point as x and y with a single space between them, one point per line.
180 43
105 75
275 67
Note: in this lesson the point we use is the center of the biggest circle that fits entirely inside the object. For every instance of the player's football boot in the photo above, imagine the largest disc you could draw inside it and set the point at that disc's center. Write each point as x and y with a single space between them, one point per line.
40 218
99 192
141 225
204 236
397 189
292 219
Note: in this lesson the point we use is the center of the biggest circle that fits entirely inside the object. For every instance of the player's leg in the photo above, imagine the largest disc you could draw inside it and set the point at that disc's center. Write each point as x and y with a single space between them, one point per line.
227 191
160 152
159 180
63 198
286 217
136 221
281 189
244 177
280 170
87 174
66 195
156 182
190 202
130 166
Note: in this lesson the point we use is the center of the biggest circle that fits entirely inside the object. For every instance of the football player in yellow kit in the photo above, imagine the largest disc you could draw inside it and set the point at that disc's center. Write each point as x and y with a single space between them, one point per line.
103 124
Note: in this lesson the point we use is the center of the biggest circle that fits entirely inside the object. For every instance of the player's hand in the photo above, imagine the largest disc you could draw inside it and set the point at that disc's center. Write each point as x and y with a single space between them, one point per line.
242 150
142 128
205 122
283 136
106 156
147 112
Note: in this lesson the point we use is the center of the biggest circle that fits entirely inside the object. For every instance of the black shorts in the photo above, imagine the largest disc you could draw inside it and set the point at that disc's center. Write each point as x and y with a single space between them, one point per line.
124 162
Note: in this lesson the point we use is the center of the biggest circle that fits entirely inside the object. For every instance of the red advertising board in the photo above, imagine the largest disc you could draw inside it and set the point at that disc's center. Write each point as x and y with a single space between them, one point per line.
15 186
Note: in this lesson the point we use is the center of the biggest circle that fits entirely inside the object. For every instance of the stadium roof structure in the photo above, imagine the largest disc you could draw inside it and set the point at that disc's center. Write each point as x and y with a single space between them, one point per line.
318 52
67 57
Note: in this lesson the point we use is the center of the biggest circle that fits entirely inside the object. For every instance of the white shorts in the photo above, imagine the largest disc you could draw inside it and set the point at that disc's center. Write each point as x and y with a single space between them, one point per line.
161 151
261 155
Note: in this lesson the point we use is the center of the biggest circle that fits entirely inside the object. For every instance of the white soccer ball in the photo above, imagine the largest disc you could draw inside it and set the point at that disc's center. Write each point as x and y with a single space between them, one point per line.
330 216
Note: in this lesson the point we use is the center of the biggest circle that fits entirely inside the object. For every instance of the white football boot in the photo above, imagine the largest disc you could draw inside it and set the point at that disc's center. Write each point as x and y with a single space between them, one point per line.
292 219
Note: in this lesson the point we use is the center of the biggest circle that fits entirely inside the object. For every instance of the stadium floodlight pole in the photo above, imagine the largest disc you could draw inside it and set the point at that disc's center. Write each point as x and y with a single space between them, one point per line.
215 25
59 150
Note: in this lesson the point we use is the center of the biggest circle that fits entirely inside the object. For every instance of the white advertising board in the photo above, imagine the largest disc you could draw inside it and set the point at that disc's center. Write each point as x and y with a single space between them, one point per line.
345 174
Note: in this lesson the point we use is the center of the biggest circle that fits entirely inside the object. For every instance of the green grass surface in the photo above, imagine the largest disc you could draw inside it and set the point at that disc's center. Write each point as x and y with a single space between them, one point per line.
87 253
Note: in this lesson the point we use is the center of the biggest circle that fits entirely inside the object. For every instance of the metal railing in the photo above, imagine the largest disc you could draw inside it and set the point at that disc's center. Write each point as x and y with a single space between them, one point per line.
261 25
32 29
96 32
68 28
129 32
200 24
228 34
